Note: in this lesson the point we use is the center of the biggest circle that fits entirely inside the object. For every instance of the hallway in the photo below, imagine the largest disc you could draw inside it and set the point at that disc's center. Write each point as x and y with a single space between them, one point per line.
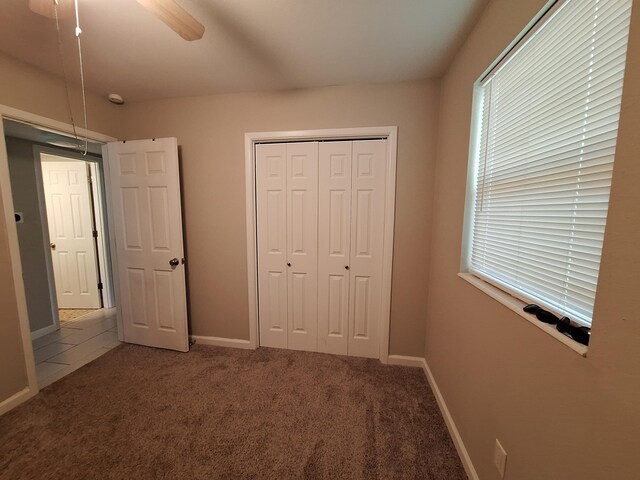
77 343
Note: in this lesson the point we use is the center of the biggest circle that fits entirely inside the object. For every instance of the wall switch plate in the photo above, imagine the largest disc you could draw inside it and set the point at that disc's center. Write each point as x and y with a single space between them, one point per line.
500 458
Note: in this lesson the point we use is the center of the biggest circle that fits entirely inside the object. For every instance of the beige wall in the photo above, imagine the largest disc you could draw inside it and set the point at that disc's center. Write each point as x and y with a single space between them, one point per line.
32 90
28 89
22 169
13 371
210 131
558 415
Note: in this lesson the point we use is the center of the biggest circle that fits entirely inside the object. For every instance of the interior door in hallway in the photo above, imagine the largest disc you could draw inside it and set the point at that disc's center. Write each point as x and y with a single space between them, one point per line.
69 215
146 215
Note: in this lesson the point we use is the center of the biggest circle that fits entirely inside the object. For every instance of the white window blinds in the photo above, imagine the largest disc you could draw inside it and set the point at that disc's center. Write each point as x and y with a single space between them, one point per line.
548 132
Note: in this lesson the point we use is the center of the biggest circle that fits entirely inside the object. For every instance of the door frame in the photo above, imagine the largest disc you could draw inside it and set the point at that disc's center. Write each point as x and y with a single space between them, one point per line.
390 133
99 213
10 113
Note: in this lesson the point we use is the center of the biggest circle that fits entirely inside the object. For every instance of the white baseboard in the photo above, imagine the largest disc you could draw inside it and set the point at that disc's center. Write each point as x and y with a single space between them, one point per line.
222 342
448 420
16 399
405 361
43 331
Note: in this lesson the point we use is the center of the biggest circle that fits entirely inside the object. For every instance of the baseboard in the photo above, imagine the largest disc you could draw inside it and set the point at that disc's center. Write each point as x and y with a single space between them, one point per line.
16 399
43 331
451 426
448 419
222 342
405 361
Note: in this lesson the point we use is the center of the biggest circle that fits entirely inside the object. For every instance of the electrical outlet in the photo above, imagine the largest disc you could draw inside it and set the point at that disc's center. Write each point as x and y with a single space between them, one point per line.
500 458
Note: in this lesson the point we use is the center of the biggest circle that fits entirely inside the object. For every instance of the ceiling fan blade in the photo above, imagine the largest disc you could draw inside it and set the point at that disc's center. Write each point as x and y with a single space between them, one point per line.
46 8
176 17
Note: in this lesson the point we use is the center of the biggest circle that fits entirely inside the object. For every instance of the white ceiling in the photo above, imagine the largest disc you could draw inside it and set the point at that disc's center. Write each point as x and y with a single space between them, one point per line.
248 45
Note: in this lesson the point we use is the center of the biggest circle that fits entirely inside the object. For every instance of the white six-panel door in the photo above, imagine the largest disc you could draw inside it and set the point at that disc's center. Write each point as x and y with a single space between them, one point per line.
334 246
271 195
73 251
368 174
320 219
287 205
302 245
147 216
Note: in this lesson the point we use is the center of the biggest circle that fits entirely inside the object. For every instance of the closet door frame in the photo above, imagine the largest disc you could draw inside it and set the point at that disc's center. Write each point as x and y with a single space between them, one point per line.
390 133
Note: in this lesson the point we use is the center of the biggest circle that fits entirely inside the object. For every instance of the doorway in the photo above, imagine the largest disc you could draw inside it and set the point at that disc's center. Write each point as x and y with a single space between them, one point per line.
75 220
261 313
73 236
60 213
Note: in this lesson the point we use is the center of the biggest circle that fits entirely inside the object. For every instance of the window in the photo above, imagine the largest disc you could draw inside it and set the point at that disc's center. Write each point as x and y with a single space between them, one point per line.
546 136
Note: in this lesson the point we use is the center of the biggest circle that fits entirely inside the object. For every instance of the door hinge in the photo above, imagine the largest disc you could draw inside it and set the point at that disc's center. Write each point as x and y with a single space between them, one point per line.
95 234
100 286
90 179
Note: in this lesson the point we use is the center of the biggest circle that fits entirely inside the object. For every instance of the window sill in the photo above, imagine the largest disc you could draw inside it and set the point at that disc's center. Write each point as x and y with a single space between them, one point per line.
516 305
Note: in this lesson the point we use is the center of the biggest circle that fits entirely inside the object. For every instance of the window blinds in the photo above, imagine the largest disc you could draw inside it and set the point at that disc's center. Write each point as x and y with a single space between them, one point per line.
548 132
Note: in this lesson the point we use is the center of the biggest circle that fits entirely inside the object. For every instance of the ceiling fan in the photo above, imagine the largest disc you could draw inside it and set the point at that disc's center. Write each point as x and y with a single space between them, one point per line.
176 17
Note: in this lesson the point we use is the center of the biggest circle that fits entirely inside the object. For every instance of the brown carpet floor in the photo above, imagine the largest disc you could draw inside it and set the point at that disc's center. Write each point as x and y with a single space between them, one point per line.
143 413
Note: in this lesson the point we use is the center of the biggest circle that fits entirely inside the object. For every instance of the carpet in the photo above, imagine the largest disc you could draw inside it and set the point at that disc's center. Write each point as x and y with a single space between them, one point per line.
143 413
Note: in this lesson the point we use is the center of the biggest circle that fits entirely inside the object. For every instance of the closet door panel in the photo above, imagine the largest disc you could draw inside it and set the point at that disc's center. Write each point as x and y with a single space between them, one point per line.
302 244
369 163
334 227
271 196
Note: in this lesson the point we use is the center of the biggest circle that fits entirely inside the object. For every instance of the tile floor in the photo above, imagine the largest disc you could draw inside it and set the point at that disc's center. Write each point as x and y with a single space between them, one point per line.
74 345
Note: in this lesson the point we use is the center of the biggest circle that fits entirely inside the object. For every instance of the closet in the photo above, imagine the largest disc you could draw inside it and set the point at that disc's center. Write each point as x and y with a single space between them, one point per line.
320 232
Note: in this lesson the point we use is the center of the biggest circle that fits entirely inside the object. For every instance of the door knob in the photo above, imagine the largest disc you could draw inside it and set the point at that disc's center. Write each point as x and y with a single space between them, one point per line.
288 264
174 262
346 267
53 246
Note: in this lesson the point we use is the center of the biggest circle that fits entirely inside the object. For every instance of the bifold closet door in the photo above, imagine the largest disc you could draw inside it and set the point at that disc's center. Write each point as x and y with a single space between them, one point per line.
287 208
302 245
350 242
334 244
368 180
271 196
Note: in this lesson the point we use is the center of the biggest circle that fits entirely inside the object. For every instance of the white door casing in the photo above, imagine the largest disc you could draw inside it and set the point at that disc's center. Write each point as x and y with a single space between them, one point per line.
271 204
302 245
7 112
69 216
147 224
334 213
252 141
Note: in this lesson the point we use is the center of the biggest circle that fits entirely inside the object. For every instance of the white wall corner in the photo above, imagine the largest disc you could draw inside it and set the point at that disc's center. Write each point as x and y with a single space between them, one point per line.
420 362
16 399
451 426
405 361
43 331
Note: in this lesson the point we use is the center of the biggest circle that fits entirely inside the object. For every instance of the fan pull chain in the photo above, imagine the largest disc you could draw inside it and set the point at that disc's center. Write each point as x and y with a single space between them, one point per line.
78 31
84 99
64 71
